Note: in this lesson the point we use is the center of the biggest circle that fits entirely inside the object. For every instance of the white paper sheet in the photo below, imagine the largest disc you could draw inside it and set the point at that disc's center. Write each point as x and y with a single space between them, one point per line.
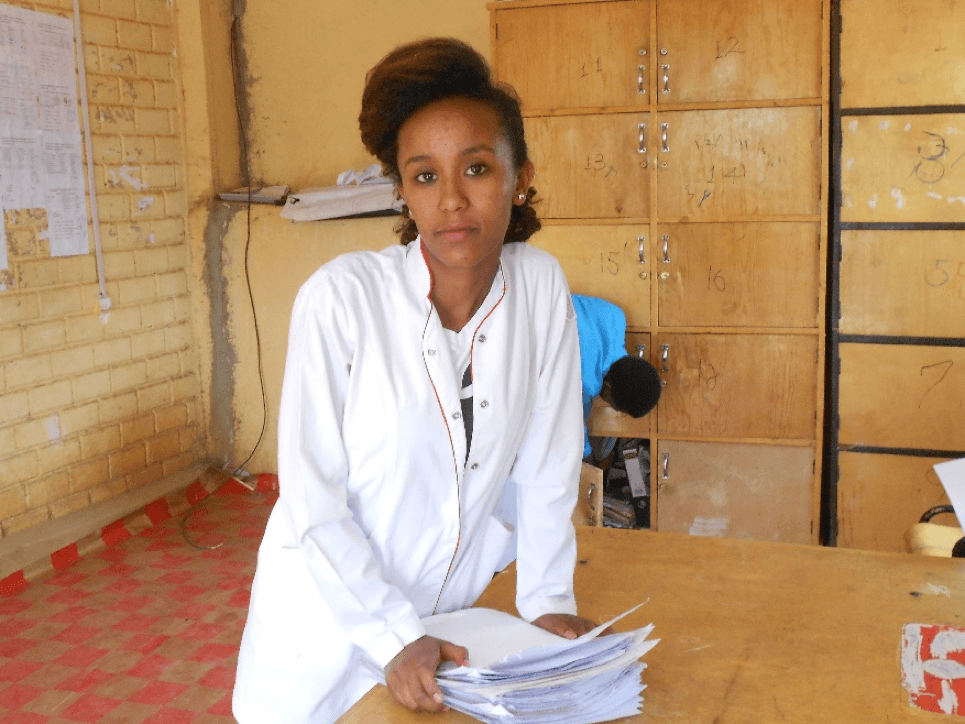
40 142
952 475
21 179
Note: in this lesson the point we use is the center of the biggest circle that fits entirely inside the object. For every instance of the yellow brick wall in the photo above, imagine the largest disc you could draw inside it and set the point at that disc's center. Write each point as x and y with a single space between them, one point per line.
92 404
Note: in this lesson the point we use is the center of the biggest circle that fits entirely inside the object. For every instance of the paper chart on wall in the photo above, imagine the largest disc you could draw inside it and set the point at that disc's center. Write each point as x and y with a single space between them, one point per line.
40 144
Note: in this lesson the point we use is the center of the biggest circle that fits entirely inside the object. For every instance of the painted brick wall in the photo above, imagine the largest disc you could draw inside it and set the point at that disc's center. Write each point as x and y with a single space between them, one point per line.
93 404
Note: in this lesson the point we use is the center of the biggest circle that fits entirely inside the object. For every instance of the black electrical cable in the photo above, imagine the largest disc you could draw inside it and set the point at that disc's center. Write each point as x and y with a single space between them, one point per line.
251 298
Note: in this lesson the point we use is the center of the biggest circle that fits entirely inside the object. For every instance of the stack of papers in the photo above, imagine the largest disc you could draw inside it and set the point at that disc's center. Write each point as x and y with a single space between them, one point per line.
357 193
521 673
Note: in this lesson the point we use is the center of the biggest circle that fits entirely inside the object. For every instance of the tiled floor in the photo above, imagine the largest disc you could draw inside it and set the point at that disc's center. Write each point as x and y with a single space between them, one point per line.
143 630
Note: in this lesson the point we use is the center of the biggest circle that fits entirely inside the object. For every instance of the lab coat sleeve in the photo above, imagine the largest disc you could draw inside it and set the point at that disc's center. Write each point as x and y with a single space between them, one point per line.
312 465
547 468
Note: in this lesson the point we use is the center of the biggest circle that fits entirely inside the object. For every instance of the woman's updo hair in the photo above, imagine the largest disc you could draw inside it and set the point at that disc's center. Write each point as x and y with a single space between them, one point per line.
416 74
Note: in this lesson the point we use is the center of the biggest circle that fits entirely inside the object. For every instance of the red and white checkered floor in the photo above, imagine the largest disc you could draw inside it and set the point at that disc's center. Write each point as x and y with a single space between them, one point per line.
143 630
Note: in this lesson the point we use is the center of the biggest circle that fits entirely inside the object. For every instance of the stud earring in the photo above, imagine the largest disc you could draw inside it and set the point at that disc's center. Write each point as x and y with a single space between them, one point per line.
522 197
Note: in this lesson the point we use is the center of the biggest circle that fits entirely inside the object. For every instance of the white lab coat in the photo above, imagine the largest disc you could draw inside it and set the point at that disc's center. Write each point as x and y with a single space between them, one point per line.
381 518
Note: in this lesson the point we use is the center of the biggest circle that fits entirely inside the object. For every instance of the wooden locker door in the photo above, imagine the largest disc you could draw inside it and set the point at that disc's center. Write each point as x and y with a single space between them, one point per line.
735 490
754 274
901 396
604 421
592 166
881 496
737 385
590 55
738 50
918 57
718 164
903 168
903 283
606 261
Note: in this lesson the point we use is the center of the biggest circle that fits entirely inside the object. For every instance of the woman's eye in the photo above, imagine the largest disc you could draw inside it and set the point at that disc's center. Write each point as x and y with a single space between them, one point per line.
477 169
425 177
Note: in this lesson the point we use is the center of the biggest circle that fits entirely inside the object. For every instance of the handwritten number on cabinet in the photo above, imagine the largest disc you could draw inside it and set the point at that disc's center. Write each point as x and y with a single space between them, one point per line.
608 262
939 367
717 279
726 47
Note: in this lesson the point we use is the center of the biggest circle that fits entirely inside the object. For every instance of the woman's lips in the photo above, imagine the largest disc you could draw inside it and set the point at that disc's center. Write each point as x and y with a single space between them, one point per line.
455 233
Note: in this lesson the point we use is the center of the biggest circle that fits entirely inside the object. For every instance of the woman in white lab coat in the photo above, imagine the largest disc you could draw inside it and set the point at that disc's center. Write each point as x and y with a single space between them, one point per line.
419 380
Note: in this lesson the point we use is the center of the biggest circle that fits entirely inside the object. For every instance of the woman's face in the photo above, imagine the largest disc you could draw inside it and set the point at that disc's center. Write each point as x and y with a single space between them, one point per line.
458 180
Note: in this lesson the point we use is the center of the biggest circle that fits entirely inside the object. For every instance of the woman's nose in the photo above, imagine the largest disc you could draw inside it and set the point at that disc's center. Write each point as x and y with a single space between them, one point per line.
453 197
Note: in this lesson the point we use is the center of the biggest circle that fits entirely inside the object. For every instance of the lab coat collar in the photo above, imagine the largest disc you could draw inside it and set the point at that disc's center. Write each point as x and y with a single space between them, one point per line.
417 269
420 276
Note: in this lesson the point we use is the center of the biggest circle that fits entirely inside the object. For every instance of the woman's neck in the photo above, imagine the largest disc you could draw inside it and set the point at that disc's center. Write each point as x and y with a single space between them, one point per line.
458 294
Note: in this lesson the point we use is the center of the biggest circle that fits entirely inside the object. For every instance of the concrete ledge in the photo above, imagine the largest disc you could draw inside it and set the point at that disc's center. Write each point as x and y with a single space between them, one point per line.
20 550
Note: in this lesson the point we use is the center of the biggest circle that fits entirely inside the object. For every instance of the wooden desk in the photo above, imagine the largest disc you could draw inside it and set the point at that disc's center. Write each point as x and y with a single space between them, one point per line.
751 632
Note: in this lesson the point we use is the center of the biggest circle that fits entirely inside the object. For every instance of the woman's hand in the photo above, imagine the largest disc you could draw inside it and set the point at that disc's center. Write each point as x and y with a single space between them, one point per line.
411 675
567 625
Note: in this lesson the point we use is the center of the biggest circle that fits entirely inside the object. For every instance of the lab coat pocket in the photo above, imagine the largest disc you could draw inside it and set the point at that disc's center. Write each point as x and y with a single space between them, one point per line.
475 569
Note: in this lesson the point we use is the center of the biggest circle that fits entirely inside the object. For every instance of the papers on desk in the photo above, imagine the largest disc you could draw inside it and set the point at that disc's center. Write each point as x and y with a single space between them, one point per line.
521 673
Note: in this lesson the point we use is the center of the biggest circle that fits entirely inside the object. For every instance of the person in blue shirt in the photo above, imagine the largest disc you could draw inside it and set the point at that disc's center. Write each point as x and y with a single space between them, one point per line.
628 384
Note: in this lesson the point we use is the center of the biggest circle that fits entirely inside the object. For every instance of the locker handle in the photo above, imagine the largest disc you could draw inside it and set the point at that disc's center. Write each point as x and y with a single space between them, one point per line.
641 84
665 473
641 138
666 77
642 249
664 129
665 239
641 351
665 357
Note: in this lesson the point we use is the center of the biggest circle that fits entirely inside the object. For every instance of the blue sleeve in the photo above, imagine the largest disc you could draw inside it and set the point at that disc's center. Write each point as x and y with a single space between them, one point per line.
602 328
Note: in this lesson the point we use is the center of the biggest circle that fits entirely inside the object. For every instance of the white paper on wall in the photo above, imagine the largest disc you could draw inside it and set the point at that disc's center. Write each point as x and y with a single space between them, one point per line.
41 156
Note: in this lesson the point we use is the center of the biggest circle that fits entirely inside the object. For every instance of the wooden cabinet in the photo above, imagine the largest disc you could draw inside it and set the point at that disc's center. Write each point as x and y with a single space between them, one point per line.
903 283
574 55
738 50
592 166
679 149
743 274
720 164
884 495
902 396
759 386
696 483
897 352
903 168
918 58
609 261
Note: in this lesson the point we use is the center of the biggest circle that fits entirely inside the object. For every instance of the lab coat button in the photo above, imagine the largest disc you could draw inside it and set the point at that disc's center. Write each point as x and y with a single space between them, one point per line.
474 466
484 403
456 415
482 337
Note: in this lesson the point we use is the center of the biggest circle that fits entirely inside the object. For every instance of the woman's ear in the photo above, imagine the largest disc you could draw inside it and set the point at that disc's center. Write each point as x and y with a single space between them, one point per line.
524 179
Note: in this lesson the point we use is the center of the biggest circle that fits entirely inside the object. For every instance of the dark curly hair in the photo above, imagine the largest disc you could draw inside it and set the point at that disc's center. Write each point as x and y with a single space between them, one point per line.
634 386
416 74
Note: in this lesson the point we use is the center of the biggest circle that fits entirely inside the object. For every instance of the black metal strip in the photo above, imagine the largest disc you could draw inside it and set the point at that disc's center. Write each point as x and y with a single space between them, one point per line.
903 226
905 451
900 340
828 534
902 110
